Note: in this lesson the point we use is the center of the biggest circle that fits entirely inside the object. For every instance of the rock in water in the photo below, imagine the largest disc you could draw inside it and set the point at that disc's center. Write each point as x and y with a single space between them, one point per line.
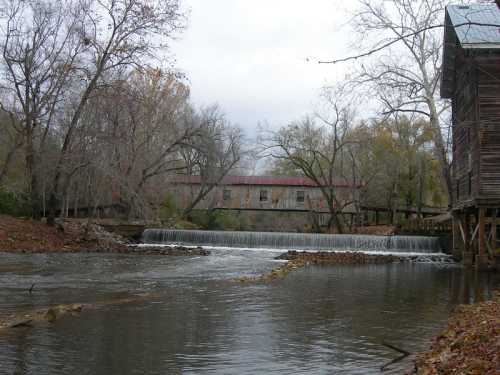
51 315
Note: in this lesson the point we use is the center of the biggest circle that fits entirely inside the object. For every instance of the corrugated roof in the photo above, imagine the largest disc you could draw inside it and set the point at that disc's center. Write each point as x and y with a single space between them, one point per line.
474 24
263 180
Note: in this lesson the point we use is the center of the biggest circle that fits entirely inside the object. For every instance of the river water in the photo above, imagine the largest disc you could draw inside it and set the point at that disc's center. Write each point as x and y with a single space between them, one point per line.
318 320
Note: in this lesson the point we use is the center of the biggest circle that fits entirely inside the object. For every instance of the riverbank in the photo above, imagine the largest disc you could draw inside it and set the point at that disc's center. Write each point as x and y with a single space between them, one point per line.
470 344
18 235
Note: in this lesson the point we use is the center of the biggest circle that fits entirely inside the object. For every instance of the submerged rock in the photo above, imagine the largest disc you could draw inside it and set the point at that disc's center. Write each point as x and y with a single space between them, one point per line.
171 251
297 259
326 257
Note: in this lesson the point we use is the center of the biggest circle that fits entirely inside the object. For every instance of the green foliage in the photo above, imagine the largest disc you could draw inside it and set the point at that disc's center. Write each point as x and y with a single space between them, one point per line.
11 204
217 220
406 170
168 208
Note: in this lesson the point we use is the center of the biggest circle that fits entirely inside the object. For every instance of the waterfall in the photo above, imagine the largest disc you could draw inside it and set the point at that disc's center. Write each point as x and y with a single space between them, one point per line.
296 241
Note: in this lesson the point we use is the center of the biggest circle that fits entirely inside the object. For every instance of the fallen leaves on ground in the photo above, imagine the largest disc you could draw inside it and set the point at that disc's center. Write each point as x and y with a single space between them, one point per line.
470 344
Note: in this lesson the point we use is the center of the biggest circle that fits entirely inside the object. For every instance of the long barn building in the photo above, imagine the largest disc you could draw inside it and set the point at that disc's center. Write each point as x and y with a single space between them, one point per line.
268 202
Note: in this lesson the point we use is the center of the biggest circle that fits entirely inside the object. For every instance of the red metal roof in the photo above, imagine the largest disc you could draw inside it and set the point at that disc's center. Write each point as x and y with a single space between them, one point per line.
263 180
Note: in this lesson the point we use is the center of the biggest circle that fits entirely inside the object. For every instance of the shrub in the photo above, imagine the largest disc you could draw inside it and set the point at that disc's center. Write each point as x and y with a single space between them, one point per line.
214 220
168 208
11 204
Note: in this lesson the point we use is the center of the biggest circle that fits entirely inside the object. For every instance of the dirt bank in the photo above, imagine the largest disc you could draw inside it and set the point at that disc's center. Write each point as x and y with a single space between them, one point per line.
70 236
470 344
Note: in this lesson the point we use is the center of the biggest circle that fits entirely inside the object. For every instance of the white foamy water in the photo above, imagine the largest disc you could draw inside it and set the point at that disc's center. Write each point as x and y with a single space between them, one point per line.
270 241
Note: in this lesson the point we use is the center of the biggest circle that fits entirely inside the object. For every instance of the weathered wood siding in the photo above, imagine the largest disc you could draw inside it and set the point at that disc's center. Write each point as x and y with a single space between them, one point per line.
248 197
476 130
488 69
465 133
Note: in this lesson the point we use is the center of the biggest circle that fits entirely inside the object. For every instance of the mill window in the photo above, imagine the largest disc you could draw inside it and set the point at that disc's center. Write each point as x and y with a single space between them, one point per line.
263 196
300 196
226 195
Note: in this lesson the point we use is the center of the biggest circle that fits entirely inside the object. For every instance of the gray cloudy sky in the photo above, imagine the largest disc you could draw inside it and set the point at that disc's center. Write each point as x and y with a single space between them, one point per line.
250 56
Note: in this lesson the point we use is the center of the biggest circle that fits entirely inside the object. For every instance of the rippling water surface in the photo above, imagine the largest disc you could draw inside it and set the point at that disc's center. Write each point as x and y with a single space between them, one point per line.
318 320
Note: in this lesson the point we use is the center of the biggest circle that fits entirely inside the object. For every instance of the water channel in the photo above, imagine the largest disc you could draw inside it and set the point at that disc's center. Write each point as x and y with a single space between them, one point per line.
318 320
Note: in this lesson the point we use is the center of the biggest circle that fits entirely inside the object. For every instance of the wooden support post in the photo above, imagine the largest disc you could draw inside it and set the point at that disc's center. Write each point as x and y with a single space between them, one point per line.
376 218
494 230
494 245
467 255
482 259
457 238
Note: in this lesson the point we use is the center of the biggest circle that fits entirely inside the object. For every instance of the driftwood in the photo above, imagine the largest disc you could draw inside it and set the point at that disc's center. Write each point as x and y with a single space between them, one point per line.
403 355
20 323
51 314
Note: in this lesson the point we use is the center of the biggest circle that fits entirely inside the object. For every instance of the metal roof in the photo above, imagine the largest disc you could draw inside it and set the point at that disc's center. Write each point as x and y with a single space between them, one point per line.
476 25
263 181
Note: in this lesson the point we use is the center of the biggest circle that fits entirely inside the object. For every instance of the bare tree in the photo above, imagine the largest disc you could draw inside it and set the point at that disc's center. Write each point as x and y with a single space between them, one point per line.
117 34
408 82
139 124
39 49
361 167
317 150
213 154
11 141
405 40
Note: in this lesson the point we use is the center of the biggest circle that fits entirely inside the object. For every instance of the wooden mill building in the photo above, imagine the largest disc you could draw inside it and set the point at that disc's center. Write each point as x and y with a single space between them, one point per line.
471 79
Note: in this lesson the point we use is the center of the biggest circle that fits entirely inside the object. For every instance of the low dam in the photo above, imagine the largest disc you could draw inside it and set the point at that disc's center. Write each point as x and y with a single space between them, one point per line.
295 241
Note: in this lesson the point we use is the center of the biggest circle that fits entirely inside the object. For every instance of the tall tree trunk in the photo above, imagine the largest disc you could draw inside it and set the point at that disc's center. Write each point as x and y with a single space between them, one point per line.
31 169
334 218
440 152
7 163
69 136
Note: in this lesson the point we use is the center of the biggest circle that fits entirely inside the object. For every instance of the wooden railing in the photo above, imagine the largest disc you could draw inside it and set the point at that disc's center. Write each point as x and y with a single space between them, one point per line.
420 226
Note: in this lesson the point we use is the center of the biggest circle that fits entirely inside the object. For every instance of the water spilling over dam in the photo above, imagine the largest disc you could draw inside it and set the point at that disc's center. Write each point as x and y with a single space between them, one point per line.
298 241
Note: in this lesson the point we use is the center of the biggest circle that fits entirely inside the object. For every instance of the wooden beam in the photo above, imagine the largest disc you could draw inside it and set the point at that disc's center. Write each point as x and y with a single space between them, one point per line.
464 239
490 249
467 256
481 225
474 234
458 236
494 229
482 259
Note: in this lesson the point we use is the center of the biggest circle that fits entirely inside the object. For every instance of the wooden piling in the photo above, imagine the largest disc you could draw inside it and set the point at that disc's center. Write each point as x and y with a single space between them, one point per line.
482 259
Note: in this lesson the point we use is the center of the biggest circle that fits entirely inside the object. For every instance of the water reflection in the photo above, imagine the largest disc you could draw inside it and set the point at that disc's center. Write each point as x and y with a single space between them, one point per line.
317 320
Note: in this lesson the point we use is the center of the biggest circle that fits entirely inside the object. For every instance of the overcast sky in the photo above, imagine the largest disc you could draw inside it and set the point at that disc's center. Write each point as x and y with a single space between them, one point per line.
251 56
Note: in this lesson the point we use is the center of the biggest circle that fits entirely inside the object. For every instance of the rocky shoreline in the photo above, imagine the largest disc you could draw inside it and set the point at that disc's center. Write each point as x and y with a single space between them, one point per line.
326 257
356 257
170 250
298 259
125 249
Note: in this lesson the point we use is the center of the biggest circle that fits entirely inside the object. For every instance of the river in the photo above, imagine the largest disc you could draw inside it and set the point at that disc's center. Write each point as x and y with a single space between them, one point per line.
318 320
